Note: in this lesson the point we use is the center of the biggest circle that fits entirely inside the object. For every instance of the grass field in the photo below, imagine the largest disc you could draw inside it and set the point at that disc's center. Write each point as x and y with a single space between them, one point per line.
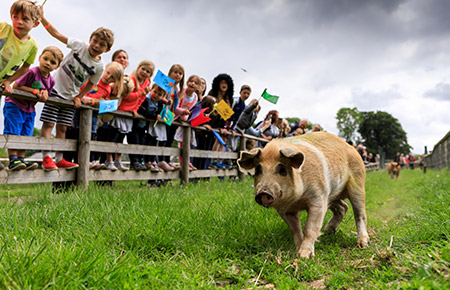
213 234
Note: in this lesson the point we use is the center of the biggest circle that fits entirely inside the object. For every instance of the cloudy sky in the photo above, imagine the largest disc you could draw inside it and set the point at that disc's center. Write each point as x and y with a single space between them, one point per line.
317 55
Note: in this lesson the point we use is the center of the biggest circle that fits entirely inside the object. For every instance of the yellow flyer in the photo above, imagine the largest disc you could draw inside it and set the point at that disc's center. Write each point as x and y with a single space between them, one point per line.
224 110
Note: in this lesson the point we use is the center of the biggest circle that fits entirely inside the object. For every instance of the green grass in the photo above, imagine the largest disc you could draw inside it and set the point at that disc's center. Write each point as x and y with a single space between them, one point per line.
214 235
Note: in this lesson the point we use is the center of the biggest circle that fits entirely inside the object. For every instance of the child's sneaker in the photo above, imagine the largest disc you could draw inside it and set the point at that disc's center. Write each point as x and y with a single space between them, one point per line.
120 166
66 164
2 166
92 164
100 166
48 164
30 165
110 166
16 165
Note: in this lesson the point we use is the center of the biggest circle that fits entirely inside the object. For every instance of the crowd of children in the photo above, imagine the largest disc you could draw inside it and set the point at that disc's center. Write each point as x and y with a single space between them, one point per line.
82 77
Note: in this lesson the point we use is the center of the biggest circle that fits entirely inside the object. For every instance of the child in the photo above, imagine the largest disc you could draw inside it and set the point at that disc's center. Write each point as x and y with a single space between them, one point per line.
104 130
187 101
112 77
176 72
151 109
247 118
238 108
83 64
222 89
18 49
130 103
19 114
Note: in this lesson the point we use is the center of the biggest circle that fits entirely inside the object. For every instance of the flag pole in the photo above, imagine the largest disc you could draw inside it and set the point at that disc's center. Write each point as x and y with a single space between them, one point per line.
44 3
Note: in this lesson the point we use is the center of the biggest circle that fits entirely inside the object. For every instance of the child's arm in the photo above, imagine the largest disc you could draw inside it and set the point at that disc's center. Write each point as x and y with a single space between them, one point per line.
41 94
83 92
51 29
20 72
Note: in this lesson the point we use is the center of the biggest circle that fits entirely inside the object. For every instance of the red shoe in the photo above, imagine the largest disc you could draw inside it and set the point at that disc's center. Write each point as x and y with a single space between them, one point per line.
48 164
66 164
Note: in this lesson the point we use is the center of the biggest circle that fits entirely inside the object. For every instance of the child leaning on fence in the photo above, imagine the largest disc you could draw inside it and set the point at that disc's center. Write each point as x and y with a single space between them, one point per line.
83 64
176 72
131 102
151 109
188 99
20 114
18 49
112 77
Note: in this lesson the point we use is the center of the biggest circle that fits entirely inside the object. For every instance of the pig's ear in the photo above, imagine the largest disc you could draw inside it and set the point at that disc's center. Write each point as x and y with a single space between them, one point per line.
248 160
295 157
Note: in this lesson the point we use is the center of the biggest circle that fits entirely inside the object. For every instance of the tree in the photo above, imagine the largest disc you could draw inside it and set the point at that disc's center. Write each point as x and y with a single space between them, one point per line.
348 122
383 133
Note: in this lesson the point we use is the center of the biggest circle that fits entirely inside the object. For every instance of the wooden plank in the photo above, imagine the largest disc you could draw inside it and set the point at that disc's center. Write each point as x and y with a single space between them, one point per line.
243 140
132 175
213 173
213 154
84 148
110 147
185 155
36 176
37 143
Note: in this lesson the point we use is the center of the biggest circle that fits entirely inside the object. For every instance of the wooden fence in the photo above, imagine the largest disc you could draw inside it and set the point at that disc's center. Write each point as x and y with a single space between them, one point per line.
440 156
82 175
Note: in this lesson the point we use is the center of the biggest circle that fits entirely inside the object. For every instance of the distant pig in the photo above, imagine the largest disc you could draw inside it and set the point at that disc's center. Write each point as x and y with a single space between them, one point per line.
393 169
312 172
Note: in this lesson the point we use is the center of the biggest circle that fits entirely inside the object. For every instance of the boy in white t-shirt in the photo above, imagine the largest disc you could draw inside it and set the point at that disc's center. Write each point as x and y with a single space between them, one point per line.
82 65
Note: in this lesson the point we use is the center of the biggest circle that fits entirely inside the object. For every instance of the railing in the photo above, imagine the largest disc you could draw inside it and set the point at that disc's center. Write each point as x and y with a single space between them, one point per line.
82 175
440 156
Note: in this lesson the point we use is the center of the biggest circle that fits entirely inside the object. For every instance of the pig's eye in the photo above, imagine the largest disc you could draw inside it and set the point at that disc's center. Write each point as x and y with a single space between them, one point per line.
281 170
258 170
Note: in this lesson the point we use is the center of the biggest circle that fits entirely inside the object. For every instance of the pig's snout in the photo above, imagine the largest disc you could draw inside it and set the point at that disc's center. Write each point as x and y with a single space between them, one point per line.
264 199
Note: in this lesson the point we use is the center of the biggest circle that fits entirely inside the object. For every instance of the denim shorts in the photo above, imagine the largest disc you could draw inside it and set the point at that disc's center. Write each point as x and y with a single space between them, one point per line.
17 122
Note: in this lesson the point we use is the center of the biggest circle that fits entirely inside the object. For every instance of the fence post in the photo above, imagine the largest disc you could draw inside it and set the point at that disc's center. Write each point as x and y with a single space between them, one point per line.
241 174
84 148
185 154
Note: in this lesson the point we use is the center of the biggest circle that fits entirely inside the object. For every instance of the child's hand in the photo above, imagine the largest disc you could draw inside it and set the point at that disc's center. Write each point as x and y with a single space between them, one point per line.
233 133
85 100
42 95
41 9
223 131
77 102
135 114
186 112
158 118
208 127
6 87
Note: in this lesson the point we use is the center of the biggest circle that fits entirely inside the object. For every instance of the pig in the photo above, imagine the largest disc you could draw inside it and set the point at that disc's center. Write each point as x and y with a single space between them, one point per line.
312 172
393 169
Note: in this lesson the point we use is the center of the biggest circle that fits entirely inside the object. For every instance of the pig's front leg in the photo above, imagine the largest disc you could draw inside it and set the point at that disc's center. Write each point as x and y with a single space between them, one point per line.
313 225
293 221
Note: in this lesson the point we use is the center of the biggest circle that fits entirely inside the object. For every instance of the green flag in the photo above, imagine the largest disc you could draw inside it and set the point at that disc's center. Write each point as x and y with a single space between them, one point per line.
270 98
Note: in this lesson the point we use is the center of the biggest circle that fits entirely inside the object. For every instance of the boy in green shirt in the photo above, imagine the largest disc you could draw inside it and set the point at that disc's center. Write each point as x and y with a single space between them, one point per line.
17 48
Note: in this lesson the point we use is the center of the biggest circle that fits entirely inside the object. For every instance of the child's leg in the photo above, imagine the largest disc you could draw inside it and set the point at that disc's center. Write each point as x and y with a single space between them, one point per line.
60 134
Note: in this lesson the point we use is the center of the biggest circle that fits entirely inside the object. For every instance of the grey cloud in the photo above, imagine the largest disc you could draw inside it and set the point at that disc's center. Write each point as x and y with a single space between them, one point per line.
370 100
440 92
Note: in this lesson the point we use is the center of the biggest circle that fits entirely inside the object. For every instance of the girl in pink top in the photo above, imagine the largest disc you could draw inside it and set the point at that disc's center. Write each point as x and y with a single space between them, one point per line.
188 99
131 103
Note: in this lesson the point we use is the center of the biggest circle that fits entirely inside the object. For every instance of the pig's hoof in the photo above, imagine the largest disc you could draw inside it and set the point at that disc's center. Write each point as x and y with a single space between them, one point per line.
363 242
305 253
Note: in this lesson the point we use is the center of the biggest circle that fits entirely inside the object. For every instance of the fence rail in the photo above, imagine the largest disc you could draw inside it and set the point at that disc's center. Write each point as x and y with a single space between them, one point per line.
84 146
440 156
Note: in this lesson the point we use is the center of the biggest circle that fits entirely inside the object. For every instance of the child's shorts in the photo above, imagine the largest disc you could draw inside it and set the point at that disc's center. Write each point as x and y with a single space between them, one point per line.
57 114
17 122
